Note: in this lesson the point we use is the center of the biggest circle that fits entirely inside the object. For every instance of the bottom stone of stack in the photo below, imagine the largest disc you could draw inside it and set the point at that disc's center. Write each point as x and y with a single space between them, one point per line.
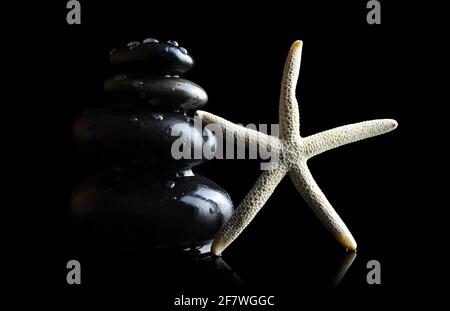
123 209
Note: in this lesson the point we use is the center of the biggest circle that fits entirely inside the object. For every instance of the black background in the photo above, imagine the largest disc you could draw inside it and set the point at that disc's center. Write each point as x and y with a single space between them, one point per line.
350 72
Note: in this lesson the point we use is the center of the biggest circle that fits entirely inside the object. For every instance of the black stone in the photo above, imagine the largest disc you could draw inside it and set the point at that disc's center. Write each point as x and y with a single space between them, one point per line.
161 93
165 58
132 211
133 136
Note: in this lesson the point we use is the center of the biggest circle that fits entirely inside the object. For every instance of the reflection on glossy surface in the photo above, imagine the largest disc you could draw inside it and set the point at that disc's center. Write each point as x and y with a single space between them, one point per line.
344 264
161 274
220 267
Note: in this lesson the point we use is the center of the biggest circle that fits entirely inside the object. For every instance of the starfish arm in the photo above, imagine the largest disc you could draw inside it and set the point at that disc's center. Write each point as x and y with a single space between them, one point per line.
249 207
288 109
339 136
314 197
240 132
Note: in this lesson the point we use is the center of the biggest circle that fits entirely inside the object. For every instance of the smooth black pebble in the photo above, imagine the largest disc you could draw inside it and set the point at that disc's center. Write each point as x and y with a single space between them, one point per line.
152 211
154 57
131 136
161 93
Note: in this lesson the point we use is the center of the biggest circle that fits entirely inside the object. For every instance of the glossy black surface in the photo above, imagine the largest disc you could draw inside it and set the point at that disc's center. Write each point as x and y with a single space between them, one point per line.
134 136
150 211
350 71
154 57
157 92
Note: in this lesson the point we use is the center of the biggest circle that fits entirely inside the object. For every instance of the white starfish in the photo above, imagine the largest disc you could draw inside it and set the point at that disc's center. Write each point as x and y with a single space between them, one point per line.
294 151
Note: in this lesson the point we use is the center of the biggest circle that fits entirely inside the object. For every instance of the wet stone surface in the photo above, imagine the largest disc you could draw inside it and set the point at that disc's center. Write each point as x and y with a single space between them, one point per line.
153 56
161 211
152 201
159 93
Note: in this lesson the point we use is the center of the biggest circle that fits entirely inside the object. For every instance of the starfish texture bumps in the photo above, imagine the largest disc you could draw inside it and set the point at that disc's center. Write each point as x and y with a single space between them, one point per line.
293 152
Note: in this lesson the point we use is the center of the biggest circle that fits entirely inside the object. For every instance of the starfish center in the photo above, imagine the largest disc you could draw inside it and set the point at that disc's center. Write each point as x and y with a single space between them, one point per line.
291 153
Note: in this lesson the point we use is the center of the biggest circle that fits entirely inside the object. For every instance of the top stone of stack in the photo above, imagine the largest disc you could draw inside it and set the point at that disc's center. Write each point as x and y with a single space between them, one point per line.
152 56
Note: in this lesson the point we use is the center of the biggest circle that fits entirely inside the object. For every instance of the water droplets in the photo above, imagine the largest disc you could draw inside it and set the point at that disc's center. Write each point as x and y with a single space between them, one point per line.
158 117
172 89
150 40
133 44
138 84
134 119
183 50
172 42
170 184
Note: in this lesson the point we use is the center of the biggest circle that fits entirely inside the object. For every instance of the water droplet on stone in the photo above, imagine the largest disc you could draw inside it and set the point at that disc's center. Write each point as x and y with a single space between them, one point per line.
158 117
150 40
172 42
174 197
172 89
170 184
183 50
134 119
138 84
133 44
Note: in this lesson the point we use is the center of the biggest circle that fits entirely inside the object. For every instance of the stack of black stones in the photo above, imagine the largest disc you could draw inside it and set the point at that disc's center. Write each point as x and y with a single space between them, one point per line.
150 200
